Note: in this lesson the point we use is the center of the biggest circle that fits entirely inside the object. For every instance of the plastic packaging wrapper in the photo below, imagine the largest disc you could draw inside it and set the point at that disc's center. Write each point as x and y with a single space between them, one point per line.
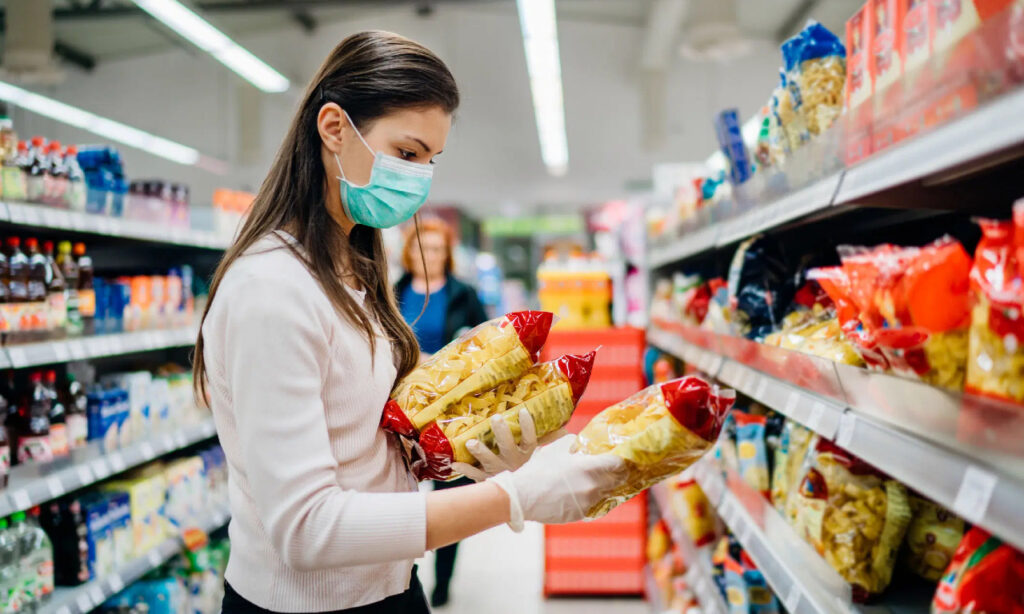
932 538
789 459
692 505
854 516
995 365
786 103
760 287
986 575
746 590
658 432
813 327
548 391
495 351
815 61
751 450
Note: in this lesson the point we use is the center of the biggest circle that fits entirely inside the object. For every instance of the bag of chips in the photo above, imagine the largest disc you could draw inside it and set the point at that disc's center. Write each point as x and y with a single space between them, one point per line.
549 391
986 575
932 538
746 590
692 505
815 61
497 350
658 432
789 459
995 364
751 450
853 515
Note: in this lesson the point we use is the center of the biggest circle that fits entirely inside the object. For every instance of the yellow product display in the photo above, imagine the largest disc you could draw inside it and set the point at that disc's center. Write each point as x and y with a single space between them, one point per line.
994 366
147 491
692 505
815 332
932 538
495 351
853 516
658 432
580 299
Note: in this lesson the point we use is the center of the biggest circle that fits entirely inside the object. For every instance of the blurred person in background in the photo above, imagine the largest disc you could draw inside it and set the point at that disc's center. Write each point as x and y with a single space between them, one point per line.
453 307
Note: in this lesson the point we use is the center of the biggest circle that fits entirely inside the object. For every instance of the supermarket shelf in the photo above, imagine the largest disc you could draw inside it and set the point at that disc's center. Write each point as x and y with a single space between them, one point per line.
698 575
652 592
963 452
85 598
38 216
33 484
50 352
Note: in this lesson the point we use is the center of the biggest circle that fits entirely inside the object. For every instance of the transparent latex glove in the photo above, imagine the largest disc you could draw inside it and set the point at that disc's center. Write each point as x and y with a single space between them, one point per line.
557 486
511 456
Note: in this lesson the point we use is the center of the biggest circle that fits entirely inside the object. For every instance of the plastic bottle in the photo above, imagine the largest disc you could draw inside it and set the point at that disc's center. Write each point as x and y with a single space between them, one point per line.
76 405
64 522
59 442
17 263
26 585
5 447
38 317
56 178
69 268
34 439
38 559
56 294
77 190
5 296
12 182
35 182
86 294
10 570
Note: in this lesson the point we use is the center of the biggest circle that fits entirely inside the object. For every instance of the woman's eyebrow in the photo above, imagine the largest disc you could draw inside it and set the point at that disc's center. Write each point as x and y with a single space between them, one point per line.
422 144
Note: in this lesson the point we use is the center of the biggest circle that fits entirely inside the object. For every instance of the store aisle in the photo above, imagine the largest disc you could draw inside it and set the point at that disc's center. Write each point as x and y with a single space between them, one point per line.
500 572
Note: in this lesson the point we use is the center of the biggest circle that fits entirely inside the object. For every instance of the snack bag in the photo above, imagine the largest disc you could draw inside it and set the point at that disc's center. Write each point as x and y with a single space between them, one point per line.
854 516
760 286
746 590
815 61
986 575
549 391
932 538
658 431
497 350
751 450
995 365
814 328
693 507
789 459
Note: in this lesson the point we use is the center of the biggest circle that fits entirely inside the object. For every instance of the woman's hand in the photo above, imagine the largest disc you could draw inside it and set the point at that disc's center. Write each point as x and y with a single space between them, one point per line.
558 486
510 456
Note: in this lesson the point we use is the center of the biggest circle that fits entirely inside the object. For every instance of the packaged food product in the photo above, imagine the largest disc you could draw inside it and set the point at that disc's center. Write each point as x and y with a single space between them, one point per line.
497 350
658 541
746 590
853 515
886 59
693 507
658 432
760 287
721 552
995 365
730 139
955 19
932 538
813 327
985 575
789 459
918 32
549 391
751 450
859 84
725 448
815 61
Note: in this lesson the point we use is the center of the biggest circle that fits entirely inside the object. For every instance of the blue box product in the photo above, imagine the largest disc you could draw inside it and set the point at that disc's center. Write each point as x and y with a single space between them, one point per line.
120 511
99 536
730 139
108 412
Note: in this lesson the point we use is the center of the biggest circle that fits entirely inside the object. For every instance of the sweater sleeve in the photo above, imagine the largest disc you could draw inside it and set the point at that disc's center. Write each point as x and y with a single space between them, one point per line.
276 350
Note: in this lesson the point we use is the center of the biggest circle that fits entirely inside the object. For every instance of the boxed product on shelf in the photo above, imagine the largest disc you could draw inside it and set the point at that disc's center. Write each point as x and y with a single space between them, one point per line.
146 489
860 84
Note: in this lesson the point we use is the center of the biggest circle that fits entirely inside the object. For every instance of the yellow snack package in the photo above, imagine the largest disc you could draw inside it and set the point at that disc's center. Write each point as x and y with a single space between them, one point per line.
479 359
854 516
932 538
789 459
549 391
658 432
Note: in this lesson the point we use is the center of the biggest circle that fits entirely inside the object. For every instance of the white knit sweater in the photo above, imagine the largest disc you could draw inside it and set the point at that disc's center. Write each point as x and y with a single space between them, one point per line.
324 511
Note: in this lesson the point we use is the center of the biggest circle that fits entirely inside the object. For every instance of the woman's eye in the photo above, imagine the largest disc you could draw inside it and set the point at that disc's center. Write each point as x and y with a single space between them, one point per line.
406 155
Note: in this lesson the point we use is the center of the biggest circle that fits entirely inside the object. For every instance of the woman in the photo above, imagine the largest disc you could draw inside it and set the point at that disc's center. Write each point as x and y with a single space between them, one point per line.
452 308
301 344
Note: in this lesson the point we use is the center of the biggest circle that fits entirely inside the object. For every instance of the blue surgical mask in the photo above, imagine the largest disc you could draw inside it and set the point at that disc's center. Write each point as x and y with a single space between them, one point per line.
396 190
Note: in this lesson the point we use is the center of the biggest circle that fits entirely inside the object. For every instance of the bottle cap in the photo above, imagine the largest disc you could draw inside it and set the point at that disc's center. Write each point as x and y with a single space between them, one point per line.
71 151
51 376
13 242
48 246
79 249
37 141
32 243
36 377
64 246
18 517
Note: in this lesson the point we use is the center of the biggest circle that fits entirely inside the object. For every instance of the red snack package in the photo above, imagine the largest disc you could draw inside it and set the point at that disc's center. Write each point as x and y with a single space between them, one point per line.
985 575
548 391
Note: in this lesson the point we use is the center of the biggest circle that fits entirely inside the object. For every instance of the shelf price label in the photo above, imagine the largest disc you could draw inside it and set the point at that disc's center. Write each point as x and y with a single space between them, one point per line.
84 475
17 356
116 584
847 424
792 600
96 594
55 486
60 351
975 493
815 416
21 500
154 558
84 603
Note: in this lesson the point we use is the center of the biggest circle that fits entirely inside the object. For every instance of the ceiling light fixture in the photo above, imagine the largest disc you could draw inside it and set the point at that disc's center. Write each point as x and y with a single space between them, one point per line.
540 41
108 128
202 34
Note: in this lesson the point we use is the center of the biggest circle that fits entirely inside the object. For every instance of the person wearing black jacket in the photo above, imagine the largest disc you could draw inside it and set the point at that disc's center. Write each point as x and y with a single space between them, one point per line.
452 308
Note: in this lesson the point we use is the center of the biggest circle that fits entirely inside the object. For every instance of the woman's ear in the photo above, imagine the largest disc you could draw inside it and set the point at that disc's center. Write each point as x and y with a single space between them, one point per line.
331 123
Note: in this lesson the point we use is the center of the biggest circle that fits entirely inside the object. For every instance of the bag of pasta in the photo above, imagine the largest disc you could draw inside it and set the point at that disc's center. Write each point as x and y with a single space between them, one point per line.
658 431
816 62
789 459
549 391
495 351
853 515
995 365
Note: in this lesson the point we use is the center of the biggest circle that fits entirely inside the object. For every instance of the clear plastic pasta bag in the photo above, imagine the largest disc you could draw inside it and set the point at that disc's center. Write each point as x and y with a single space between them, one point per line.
816 63
495 351
549 391
658 432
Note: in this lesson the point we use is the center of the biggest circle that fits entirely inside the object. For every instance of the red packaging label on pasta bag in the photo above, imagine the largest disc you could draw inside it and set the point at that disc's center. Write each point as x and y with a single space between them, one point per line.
394 419
577 370
438 455
532 327
697 406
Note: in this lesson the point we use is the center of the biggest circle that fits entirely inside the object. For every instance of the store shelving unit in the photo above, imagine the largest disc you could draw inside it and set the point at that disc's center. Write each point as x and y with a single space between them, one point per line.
32 484
83 599
38 216
98 346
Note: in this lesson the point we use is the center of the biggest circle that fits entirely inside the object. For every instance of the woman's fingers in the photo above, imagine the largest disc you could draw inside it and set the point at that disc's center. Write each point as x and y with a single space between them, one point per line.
489 461
503 436
528 432
471 472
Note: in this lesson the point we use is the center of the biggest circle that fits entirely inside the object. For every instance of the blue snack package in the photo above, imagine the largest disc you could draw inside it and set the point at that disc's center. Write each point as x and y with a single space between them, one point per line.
730 138
751 452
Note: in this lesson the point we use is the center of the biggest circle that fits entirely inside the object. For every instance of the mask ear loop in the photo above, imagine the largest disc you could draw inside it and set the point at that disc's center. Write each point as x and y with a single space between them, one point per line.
426 274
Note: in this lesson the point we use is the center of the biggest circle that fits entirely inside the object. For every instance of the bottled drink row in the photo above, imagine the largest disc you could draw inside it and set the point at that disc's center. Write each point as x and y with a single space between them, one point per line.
45 417
46 296
73 540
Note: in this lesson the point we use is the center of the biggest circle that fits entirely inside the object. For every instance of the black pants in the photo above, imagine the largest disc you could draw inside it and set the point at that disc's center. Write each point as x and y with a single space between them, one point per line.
412 601
444 558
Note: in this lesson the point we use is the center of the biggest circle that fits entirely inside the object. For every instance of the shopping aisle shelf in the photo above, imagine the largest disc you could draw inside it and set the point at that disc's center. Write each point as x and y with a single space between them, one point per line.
38 216
962 451
98 346
91 595
35 483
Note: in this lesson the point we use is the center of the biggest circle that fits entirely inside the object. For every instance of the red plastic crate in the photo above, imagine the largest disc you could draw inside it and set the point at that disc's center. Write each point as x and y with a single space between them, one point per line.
596 582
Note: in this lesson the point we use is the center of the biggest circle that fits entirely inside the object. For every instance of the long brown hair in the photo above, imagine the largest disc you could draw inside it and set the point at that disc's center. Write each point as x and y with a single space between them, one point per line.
369 75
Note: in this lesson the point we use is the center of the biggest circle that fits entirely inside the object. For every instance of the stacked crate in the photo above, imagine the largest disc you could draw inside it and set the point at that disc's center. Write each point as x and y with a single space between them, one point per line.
605 556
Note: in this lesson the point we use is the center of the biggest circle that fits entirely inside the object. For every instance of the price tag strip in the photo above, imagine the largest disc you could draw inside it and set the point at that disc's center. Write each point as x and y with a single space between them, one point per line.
975 493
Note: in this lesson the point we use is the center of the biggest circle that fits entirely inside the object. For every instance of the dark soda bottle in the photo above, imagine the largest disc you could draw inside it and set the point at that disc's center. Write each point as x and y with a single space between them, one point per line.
76 405
38 317
34 440
59 441
69 268
56 294
5 444
35 182
18 271
86 294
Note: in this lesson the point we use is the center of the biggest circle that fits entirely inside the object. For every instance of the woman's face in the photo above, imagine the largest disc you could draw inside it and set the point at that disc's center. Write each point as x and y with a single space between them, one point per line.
435 253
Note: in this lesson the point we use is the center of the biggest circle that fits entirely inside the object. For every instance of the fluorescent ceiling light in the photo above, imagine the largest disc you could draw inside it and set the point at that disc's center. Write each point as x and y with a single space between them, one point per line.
540 42
200 33
108 128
